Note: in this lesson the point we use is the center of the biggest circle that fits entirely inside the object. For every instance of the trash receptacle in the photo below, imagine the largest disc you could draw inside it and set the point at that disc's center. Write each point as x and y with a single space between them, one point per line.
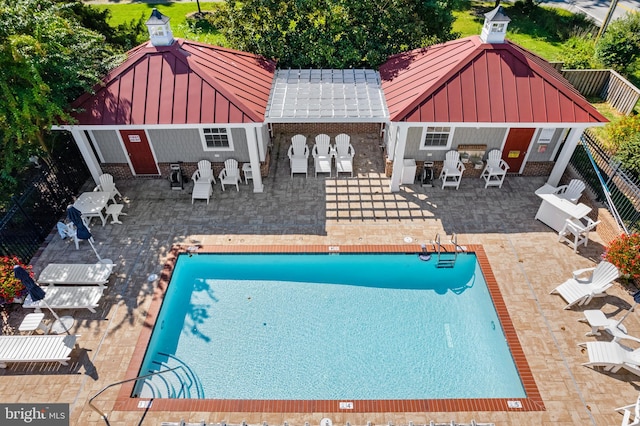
175 177
409 170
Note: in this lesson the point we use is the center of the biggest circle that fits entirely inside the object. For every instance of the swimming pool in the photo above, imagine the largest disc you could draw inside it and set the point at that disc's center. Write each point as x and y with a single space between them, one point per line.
326 326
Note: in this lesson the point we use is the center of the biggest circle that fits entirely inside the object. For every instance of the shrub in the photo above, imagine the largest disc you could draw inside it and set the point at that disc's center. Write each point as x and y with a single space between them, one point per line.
578 52
624 252
619 47
10 286
624 140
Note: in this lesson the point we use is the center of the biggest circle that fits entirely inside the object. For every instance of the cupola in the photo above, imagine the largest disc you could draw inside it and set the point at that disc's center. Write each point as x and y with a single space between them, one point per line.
495 25
159 29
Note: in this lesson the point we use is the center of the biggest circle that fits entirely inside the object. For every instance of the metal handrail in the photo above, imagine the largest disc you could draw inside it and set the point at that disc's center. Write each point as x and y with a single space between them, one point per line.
454 241
103 415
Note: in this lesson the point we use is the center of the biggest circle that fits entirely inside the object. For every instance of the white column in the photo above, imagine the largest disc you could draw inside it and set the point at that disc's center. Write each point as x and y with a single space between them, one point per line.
87 153
565 155
398 156
254 158
391 140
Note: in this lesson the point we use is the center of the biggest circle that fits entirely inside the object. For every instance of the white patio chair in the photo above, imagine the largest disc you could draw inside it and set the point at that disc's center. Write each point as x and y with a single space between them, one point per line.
230 175
452 169
107 185
67 230
204 173
581 291
495 170
298 155
344 153
630 414
571 192
322 154
576 232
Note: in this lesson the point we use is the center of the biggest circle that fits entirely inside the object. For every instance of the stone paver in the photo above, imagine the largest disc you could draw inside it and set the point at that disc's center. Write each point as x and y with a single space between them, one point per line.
525 256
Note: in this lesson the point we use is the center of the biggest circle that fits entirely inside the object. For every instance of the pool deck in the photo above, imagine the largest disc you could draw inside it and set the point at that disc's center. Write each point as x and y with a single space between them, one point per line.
525 256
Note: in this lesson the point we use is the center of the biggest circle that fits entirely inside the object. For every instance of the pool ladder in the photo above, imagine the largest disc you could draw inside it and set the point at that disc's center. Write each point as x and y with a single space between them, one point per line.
448 261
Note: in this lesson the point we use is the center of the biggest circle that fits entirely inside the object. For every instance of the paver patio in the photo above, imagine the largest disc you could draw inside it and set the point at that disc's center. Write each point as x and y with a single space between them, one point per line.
524 254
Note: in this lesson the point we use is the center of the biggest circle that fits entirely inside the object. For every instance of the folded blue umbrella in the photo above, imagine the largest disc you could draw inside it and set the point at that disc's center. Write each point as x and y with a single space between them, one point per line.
36 292
75 216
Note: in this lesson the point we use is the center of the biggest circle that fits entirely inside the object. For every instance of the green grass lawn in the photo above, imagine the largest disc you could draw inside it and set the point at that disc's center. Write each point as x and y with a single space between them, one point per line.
542 32
178 12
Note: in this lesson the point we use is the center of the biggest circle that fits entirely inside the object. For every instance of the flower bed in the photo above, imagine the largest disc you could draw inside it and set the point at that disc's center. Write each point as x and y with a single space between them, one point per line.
10 287
624 252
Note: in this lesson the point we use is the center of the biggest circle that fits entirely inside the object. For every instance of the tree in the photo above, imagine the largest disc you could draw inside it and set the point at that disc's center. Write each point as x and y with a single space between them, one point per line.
47 59
333 33
619 47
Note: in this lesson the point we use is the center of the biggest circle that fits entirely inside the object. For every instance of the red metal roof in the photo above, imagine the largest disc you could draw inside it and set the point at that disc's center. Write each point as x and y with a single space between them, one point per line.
468 81
185 83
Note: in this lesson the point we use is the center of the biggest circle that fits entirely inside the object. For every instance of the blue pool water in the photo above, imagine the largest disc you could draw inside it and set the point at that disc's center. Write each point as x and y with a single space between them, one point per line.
322 326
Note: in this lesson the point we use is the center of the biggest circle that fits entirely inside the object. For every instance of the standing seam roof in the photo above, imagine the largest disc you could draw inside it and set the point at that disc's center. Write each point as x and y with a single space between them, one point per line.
184 83
467 80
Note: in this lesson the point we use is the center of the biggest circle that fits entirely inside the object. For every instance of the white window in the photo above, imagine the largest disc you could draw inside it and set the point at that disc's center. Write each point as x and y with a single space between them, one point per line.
497 27
157 31
546 135
216 139
436 138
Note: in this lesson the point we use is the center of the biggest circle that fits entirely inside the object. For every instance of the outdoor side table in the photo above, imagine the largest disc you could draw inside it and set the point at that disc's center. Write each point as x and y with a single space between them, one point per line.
247 172
32 322
597 320
63 325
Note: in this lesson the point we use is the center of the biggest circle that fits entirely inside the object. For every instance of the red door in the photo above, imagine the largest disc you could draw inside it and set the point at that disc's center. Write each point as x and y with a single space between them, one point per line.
515 148
139 151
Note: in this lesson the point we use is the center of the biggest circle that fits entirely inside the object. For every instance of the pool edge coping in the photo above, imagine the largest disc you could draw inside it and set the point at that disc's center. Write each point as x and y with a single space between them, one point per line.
532 402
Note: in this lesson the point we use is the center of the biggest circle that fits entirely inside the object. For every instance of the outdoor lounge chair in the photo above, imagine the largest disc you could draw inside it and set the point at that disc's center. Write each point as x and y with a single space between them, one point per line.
77 274
36 348
576 232
571 192
230 175
298 154
452 169
612 356
495 170
580 291
629 410
322 154
68 297
344 153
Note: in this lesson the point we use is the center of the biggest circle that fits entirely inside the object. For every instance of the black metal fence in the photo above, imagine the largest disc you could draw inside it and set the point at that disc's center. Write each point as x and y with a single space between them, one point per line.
624 188
31 215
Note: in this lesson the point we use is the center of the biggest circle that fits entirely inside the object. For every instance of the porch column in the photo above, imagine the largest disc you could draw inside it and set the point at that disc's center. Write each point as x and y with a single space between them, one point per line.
391 140
87 153
398 156
565 155
254 159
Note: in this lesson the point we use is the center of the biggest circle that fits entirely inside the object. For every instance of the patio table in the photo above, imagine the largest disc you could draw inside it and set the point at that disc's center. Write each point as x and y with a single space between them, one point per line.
91 205
554 210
